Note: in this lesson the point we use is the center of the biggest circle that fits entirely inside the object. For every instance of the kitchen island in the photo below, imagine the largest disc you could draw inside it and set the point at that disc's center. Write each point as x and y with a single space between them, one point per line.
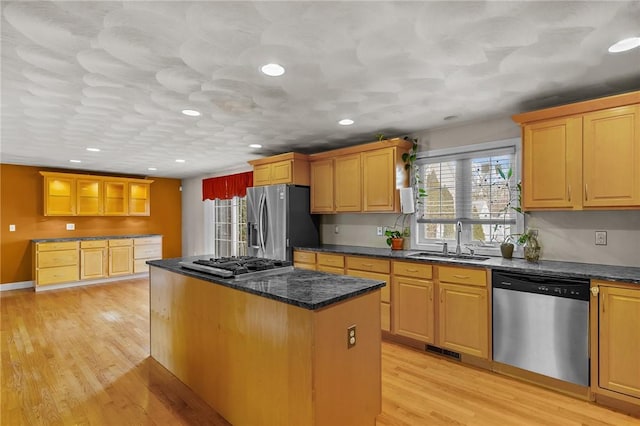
271 350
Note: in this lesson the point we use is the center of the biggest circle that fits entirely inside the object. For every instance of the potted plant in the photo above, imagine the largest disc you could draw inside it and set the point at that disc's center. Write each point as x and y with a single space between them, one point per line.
506 247
395 238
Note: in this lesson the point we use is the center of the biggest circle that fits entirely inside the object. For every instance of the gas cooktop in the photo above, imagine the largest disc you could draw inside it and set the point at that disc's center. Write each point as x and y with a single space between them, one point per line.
239 266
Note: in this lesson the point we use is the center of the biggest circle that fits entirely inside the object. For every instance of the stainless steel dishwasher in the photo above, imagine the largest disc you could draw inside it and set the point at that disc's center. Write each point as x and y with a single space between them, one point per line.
541 324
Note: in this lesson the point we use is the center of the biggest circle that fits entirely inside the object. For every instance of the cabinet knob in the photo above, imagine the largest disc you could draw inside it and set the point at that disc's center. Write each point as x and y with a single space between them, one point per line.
595 290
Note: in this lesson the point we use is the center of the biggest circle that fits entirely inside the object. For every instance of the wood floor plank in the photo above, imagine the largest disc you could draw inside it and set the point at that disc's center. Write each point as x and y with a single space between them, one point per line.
81 356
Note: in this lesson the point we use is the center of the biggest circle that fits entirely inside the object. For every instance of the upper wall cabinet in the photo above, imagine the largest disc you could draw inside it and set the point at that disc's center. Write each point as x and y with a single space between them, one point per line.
362 178
290 168
67 194
582 156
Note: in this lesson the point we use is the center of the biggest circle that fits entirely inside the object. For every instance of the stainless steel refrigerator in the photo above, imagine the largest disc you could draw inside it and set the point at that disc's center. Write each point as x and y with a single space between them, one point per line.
278 219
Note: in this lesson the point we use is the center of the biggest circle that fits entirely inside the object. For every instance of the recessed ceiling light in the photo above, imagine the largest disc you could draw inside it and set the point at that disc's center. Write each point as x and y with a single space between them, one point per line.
93 149
152 169
180 160
624 45
255 145
273 70
75 161
191 112
345 122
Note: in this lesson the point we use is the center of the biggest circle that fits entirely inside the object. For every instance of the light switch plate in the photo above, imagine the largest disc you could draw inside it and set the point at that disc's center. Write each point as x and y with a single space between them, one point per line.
12 228
601 238
379 231
71 226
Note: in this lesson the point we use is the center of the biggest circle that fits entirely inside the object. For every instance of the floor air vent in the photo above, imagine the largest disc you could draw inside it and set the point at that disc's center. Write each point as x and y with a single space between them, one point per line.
440 351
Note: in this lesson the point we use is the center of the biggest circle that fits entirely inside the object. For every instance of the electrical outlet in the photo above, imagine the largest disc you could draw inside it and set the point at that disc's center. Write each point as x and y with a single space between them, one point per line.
12 228
379 231
351 336
336 229
71 226
601 238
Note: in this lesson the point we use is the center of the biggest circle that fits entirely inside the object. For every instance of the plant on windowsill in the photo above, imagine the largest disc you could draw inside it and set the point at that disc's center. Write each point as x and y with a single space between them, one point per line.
506 247
409 158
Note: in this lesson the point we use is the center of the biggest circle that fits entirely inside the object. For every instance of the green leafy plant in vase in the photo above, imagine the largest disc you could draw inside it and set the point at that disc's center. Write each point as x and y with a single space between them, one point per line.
513 203
395 237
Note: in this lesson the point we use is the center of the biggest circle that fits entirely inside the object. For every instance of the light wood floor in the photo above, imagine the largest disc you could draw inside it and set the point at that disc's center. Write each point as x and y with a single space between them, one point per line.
81 356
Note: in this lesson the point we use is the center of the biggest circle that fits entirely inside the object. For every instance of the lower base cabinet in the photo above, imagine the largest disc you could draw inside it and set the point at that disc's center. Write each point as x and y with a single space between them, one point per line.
413 303
120 257
615 355
55 262
93 259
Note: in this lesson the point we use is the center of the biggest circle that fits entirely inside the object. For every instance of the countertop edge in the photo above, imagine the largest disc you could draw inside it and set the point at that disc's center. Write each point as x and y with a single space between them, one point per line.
93 238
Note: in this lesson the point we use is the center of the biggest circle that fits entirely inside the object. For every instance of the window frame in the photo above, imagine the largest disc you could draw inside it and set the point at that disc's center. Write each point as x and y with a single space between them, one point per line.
235 240
490 249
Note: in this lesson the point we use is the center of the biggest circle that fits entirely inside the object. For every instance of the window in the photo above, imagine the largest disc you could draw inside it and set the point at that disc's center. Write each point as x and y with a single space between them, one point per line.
466 186
226 227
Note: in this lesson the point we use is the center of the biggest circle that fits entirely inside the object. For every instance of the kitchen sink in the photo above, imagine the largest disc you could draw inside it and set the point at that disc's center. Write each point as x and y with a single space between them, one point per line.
439 255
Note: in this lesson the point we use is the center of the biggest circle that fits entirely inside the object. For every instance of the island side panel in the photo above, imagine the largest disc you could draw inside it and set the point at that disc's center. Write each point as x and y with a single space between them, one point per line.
248 357
347 382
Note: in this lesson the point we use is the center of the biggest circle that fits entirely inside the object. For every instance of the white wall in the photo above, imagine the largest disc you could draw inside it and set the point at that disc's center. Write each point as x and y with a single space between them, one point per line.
567 236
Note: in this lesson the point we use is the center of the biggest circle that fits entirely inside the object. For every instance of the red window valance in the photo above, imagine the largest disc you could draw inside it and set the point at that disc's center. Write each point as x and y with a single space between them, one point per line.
226 187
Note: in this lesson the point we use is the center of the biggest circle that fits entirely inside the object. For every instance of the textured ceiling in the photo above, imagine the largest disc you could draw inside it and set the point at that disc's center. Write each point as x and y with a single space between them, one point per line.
115 75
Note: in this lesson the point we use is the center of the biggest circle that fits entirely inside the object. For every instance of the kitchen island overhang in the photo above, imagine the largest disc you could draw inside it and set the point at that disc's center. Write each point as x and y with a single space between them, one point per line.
271 350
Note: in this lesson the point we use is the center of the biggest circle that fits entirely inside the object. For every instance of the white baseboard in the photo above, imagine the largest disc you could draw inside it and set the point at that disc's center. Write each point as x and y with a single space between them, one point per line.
90 282
16 286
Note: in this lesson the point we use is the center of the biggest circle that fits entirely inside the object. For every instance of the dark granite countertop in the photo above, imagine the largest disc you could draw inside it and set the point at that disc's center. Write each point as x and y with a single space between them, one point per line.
544 267
102 237
306 289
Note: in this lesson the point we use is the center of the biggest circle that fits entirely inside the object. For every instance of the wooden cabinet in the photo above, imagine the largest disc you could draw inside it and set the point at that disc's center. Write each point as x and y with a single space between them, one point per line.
55 262
374 269
116 200
59 195
552 164
290 168
322 186
378 180
615 341
348 183
120 257
89 198
67 194
139 199
611 157
582 156
304 260
463 310
362 178
413 301
327 262
144 249
93 259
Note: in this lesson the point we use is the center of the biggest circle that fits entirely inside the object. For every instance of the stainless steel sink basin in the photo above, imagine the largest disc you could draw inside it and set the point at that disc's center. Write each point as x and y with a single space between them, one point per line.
438 255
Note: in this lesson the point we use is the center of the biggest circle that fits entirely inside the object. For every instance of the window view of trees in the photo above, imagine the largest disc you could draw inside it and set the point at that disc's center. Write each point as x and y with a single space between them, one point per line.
230 227
470 190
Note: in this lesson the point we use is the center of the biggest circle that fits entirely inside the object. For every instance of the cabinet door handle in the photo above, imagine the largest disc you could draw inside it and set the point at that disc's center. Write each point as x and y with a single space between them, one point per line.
569 192
586 192
441 295
595 290
412 270
431 294
462 277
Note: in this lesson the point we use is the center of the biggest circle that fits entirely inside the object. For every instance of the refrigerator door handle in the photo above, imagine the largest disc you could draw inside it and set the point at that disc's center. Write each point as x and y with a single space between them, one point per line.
261 209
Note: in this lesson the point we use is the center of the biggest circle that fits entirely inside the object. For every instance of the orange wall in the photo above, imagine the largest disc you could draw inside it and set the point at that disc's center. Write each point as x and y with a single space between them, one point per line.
21 203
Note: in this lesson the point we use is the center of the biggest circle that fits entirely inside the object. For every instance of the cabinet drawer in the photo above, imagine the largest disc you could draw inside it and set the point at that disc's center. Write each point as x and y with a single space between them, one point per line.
368 264
304 257
121 242
140 265
93 244
60 274
385 292
334 260
308 266
66 245
49 259
332 269
462 275
147 252
412 269
147 240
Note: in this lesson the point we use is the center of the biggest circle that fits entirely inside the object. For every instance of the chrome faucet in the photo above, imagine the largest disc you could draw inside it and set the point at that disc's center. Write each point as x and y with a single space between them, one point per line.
458 235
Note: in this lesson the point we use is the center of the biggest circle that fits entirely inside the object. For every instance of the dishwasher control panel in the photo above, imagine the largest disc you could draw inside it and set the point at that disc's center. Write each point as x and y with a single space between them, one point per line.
570 288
